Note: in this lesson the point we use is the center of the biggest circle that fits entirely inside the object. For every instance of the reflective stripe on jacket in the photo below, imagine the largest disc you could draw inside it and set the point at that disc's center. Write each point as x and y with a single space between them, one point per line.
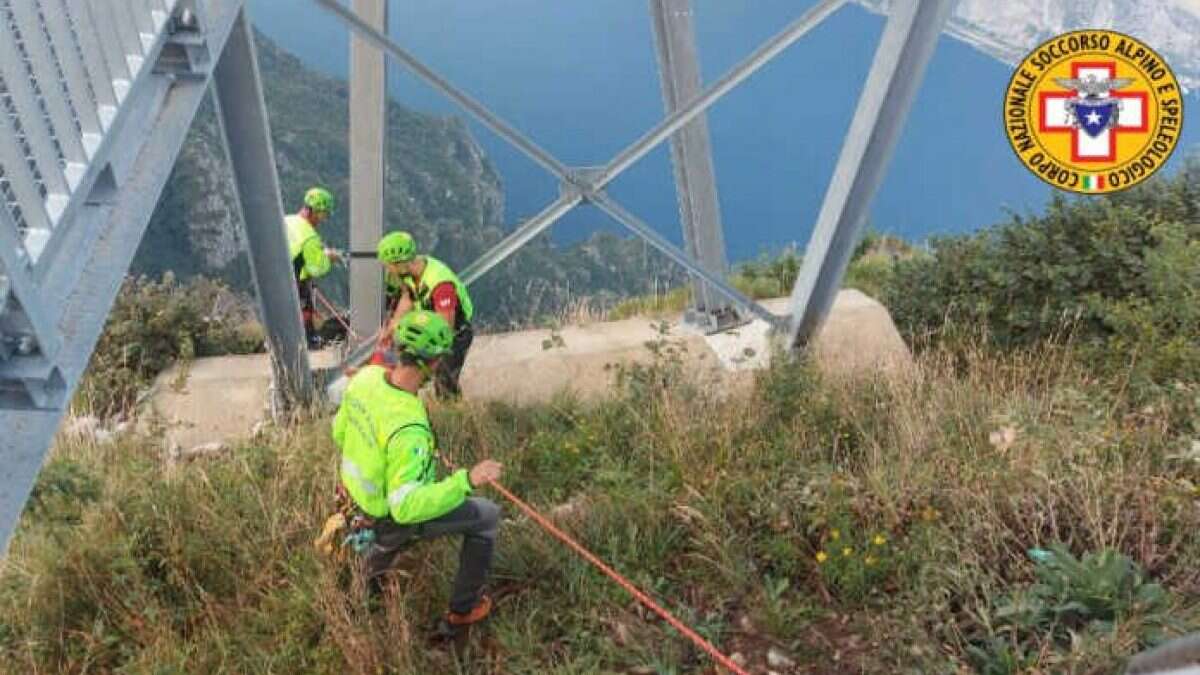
388 453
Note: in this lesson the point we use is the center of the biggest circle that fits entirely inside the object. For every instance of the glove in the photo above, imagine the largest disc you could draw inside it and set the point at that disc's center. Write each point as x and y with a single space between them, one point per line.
333 530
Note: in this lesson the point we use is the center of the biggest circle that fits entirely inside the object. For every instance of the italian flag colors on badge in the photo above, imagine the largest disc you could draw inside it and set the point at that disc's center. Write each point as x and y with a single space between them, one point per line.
1093 182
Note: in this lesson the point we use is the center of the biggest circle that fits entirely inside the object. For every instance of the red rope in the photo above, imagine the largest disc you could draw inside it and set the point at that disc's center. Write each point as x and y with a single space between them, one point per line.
334 311
622 581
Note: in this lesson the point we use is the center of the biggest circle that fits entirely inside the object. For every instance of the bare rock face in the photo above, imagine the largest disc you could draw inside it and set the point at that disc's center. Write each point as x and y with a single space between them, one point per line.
215 234
1007 30
440 184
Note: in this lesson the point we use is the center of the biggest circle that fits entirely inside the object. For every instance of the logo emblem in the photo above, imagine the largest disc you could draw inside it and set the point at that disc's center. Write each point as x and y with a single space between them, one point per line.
1093 111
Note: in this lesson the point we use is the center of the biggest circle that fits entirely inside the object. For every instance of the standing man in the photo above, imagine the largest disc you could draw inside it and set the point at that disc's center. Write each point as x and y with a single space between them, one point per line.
389 468
425 282
310 257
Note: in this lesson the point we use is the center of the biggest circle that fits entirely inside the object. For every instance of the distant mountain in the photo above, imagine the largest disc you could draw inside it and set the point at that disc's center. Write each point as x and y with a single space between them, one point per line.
1008 30
439 185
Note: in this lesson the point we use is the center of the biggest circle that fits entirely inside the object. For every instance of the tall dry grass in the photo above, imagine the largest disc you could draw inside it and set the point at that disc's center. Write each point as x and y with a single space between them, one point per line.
924 491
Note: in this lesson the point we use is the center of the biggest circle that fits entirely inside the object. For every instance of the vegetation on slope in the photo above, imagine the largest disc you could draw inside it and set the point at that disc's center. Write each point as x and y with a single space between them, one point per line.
153 325
1120 276
887 522
1025 499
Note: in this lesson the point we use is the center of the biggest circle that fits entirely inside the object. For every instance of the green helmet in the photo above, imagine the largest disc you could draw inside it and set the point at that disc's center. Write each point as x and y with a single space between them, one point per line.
319 200
423 334
397 247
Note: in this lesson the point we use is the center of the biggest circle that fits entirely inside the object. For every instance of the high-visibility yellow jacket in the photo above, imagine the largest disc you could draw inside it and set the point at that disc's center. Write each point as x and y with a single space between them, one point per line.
305 248
435 273
389 452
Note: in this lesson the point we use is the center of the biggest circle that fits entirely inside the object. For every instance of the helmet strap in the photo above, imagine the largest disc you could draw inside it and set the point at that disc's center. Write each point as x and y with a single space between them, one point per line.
423 366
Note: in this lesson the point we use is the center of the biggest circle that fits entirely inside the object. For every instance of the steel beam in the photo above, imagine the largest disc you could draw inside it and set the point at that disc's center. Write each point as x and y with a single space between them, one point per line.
735 76
579 185
521 236
908 42
578 181
368 143
643 230
691 157
71 58
38 50
21 284
108 165
35 127
242 115
21 179
150 150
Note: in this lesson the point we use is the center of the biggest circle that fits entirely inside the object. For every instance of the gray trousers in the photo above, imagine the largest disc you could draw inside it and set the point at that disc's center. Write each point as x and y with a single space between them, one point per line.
450 366
477 519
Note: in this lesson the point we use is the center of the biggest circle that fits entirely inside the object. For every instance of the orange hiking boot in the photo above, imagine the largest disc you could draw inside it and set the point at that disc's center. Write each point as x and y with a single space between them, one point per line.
456 628
477 614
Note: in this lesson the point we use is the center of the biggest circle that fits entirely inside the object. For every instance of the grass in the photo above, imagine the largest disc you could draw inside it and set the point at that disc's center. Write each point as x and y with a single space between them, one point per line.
925 493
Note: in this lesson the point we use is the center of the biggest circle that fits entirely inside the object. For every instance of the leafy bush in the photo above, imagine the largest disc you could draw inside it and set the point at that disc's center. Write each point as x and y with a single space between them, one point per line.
1119 274
153 325
64 488
770 276
1071 597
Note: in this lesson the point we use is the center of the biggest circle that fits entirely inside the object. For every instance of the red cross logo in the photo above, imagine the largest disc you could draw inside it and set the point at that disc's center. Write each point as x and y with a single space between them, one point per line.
1054 114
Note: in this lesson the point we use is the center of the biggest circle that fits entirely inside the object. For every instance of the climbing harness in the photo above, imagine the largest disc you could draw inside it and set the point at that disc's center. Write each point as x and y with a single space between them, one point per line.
347 529
335 311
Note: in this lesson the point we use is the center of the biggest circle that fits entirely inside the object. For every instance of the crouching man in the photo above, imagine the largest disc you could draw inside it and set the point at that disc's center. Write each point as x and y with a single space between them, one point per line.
389 468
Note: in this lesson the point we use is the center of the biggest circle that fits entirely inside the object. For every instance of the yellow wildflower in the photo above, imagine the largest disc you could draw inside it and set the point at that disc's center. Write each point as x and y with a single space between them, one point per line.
847 551
822 556
879 540
834 535
869 561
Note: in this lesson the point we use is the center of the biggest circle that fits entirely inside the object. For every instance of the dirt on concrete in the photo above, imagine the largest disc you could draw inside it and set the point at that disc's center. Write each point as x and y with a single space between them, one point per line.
224 398
215 399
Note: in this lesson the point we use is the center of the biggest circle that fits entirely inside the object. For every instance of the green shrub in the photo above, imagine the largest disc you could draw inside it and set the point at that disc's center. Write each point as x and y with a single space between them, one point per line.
1072 597
773 276
770 276
1118 274
63 490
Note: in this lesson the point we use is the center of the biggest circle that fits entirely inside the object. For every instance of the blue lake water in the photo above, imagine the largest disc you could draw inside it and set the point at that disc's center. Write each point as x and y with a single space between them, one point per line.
580 78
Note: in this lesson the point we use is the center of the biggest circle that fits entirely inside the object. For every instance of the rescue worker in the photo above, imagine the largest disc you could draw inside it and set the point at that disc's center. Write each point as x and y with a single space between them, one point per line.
310 258
424 282
389 467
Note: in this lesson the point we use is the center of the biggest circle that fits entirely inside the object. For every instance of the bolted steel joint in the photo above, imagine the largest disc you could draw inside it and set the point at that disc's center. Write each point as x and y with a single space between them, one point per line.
184 21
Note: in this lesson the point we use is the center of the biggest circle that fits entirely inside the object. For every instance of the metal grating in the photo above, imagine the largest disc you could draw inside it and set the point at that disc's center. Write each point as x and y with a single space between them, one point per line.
77 47
61 83
13 206
59 94
18 123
